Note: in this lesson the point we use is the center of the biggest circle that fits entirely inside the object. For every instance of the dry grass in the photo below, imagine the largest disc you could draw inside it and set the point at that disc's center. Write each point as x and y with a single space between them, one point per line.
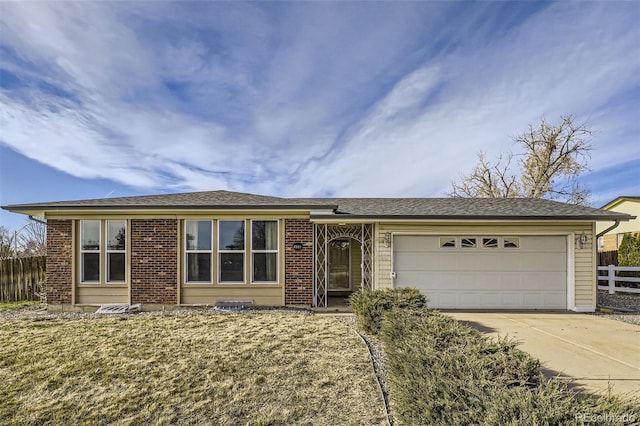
7 306
224 369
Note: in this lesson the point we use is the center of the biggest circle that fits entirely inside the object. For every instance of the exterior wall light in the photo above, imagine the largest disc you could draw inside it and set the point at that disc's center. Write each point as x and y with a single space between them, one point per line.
387 239
583 240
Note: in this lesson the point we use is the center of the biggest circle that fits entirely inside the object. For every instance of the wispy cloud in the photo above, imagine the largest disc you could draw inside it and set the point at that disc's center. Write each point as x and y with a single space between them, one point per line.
310 98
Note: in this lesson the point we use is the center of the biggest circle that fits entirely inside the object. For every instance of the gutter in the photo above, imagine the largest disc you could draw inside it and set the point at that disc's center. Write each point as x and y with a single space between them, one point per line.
611 228
435 217
37 220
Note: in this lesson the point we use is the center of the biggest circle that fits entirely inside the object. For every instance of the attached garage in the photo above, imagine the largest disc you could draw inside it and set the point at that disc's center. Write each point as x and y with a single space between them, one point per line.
484 271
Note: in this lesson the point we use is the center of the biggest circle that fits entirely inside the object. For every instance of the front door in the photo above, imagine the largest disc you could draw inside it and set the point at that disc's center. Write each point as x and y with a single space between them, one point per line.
339 265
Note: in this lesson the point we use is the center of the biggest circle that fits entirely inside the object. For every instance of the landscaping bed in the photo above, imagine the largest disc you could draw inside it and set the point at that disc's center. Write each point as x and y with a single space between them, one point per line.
619 306
214 368
442 372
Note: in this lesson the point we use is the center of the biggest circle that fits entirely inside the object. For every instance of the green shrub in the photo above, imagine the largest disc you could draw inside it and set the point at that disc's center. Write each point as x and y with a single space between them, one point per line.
444 373
370 305
629 255
629 250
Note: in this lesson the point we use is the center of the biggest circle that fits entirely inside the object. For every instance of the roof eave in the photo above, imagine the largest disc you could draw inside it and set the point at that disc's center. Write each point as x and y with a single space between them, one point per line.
348 217
39 210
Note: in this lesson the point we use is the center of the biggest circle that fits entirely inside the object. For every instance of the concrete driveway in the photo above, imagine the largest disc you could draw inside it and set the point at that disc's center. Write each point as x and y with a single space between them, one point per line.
596 352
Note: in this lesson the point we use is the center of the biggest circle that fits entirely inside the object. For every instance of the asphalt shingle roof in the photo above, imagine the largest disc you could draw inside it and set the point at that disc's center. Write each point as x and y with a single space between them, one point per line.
207 198
423 208
465 208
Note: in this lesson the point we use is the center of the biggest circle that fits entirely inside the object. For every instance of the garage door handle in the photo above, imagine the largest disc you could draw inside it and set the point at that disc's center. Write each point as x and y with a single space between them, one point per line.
394 275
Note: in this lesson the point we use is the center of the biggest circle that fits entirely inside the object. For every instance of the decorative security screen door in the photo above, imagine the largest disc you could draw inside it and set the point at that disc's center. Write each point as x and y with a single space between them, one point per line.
324 235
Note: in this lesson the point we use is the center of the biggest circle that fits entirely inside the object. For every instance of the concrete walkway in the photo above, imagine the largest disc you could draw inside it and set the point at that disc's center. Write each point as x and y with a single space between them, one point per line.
596 352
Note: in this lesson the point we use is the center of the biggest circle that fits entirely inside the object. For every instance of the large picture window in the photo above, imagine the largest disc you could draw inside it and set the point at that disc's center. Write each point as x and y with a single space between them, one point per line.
264 251
231 250
93 246
198 250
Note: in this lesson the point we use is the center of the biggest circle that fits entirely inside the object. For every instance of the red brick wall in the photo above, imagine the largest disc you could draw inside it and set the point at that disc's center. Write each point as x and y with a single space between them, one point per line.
298 264
59 261
154 265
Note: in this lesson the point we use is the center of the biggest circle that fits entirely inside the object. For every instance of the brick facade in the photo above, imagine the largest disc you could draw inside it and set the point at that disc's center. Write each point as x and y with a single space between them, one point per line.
610 242
59 261
154 264
298 264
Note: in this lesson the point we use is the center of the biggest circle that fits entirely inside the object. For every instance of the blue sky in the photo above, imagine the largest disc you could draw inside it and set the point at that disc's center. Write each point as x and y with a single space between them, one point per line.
304 99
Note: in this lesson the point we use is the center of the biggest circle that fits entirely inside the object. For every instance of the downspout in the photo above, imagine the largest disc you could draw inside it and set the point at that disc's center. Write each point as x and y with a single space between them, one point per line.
37 220
612 227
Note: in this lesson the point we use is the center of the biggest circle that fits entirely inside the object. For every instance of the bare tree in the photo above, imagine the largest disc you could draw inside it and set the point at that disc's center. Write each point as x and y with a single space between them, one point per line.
6 243
33 239
551 159
488 180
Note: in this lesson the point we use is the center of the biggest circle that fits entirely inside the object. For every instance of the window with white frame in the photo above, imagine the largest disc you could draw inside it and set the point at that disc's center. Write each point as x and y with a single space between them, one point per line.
116 250
264 251
198 250
114 247
231 251
90 242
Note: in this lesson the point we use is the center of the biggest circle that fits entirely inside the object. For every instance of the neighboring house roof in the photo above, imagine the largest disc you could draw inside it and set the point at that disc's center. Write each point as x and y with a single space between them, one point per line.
618 200
624 204
352 208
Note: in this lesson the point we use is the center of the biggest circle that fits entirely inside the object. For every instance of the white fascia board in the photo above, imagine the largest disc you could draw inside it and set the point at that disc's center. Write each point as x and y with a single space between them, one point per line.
339 219
321 212
170 211
324 220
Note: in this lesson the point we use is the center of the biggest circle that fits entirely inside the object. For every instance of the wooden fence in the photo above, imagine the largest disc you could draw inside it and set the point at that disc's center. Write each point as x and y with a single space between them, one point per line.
611 278
606 258
21 278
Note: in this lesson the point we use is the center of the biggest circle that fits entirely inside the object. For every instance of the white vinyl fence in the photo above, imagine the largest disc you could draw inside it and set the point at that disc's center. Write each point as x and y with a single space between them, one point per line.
612 279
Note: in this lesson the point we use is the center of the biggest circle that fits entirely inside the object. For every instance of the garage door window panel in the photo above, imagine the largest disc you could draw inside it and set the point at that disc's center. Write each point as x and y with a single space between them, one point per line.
490 242
448 242
511 242
468 242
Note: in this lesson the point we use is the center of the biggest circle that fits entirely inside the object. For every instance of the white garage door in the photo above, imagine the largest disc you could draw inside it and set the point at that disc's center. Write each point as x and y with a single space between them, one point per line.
484 272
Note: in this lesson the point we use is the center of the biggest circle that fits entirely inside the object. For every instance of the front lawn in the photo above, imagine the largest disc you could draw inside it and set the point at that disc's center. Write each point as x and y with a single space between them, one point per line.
224 369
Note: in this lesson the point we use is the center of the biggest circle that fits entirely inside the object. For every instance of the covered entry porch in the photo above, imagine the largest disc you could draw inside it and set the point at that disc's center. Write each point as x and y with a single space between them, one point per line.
343 264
